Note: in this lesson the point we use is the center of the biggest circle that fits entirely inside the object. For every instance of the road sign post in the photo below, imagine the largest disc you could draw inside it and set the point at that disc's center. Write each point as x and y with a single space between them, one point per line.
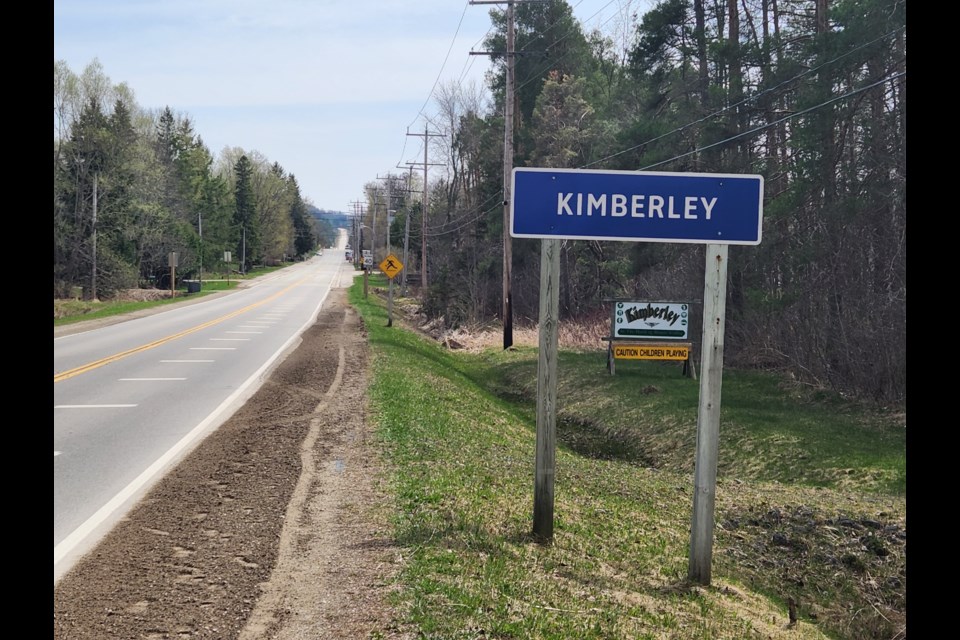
543 491
390 266
574 204
172 261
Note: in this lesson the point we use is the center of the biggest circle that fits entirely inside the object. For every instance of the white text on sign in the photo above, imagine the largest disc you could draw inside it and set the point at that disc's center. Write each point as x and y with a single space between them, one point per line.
640 206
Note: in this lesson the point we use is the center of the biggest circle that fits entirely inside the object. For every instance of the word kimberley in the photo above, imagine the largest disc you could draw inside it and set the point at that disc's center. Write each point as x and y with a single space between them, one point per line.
650 311
640 206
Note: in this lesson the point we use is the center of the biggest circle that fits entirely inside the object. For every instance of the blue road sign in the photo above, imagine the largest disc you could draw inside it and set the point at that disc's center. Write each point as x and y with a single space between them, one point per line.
581 204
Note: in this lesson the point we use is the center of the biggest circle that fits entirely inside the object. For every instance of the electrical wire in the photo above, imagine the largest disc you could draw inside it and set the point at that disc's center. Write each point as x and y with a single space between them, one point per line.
447 57
744 101
439 75
463 221
776 122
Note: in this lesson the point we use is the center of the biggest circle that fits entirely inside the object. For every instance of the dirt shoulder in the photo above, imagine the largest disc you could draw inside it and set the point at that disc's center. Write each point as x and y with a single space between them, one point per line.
275 526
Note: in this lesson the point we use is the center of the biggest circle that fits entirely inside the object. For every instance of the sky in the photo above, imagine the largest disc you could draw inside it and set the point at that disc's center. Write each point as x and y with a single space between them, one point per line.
328 89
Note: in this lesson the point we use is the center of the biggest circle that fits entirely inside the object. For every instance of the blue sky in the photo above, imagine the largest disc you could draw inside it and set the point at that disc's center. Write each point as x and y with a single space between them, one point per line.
326 88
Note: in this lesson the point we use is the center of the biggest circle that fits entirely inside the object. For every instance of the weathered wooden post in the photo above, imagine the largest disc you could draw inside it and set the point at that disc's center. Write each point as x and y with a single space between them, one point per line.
172 259
547 390
708 416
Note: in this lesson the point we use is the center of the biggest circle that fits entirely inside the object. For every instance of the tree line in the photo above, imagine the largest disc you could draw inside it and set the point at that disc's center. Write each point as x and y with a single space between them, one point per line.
131 186
810 94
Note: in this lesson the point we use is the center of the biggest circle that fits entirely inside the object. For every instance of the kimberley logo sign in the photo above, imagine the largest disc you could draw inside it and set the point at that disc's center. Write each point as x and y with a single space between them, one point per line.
655 320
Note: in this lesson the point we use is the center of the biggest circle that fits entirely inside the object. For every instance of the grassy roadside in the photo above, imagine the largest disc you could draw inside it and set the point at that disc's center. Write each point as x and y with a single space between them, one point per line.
70 311
810 500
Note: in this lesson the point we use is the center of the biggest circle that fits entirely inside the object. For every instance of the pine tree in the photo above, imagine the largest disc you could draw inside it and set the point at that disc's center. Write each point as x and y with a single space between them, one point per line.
245 215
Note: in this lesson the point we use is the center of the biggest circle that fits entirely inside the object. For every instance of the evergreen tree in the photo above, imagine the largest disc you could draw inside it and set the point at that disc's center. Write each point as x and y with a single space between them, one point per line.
244 217
304 237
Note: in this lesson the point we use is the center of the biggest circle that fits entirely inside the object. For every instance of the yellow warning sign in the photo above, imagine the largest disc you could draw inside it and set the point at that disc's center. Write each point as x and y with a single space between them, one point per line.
652 352
391 266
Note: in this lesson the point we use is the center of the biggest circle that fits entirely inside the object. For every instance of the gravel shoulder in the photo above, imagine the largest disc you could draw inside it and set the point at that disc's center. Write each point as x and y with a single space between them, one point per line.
274 526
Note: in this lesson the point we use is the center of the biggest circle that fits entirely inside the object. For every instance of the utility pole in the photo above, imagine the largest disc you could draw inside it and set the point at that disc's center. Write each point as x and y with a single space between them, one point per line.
358 250
357 233
406 231
423 216
508 109
389 180
507 168
425 205
200 223
373 225
93 270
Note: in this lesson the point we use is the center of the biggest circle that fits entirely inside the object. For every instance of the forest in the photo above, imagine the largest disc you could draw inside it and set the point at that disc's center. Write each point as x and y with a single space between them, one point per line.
809 94
130 187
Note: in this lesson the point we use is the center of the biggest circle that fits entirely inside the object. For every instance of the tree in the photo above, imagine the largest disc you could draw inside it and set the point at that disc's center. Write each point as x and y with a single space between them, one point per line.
245 215
305 238
563 128
273 200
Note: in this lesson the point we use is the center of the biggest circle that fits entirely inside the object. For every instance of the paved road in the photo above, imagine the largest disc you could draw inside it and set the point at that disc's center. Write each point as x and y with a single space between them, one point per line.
130 399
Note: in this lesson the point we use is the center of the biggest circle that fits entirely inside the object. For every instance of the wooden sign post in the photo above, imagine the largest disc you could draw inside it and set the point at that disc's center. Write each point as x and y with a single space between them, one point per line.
172 261
390 267
708 415
547 389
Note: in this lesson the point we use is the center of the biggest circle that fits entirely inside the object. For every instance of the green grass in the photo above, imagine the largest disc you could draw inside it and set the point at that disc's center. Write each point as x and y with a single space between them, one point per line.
805 479
70 311
770 430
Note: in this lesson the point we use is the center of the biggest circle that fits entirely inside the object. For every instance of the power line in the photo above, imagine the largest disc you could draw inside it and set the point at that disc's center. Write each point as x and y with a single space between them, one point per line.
556 22
776 122
539 74
463 222
440 73
719 111
744 101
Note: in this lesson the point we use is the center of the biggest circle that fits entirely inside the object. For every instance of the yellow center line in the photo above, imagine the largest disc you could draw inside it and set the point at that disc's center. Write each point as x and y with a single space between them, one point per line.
58 377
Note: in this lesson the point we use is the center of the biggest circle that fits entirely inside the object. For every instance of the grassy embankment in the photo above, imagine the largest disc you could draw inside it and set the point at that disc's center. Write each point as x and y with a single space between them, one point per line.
810 503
